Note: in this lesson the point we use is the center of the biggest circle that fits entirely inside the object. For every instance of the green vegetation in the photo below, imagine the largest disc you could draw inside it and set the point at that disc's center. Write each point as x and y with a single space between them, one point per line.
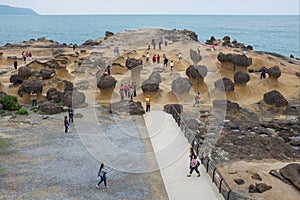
61 103
22 111
2 112
10 103
35 109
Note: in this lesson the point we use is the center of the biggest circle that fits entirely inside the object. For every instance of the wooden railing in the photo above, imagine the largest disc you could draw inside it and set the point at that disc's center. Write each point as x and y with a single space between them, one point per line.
209 165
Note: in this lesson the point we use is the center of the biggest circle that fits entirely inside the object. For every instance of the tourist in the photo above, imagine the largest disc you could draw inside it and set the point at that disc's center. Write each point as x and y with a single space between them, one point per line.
102 176
125 89
171 65
108 69
153 43
16 64
154 58
148 45
191 154
213 48
147 56
121 92
166 43
130 91
117 51
199 50
179 56
30 56
33 98
134 89
165 61
159 44
66 123
157 58
263 72
148 100
71 115
74 47
194 164
197 100
24 57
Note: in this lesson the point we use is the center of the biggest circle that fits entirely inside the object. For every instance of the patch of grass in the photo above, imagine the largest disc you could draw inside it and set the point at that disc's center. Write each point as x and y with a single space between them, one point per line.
22 111
2 112
62 104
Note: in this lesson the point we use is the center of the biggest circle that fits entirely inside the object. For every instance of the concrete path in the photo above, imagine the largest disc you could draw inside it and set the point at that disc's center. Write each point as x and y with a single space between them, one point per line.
172 154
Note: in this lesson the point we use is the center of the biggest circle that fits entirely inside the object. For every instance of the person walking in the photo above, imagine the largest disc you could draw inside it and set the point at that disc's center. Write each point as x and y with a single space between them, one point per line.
117 51
30 56
16 64
213 48
125 89
71 115
102 176
263 72
66 123
148 100
147 56
159 44
179 57
172 65
154 59
121 92
134 88
157 58
33 98
199 50
194 164
153 43
108 69
165 61
24 57
197 100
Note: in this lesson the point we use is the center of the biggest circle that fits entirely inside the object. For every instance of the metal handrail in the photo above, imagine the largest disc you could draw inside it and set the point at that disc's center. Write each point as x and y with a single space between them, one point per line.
196 145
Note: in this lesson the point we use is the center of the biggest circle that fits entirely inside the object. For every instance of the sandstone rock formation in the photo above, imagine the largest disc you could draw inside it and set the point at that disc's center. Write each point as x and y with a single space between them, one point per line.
24 72
15 79
234 60
274 72
73 98
152 83
181 86
292 173
196 72
29 86
54 95
196 58
231 107
51 108
132 63
126 107
259 188
275 98
106 82
225 84
241 77
47 73
169 108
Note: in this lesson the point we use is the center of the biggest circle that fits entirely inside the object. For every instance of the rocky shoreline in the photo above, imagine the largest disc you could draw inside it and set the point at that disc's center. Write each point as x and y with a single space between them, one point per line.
258 118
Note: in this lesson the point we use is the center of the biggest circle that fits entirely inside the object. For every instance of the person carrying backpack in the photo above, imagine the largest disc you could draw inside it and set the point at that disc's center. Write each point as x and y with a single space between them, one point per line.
194 164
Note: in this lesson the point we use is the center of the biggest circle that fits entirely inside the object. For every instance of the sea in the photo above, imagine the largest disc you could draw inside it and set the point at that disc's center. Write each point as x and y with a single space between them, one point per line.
276 34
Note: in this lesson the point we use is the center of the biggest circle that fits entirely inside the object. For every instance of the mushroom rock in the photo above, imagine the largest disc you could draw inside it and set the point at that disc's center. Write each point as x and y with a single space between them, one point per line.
54 95
196 72
152 83
196 58
15 79
106 82
274 72
275 98
29 86
232 61
181 86
132 63
73 98
24 72
225 84
47 73
241 77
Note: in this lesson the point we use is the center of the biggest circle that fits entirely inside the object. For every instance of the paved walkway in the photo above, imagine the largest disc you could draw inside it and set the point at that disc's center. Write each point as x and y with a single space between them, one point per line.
172 154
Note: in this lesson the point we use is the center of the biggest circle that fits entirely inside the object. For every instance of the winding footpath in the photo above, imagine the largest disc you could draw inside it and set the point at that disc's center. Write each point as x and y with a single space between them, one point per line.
172 154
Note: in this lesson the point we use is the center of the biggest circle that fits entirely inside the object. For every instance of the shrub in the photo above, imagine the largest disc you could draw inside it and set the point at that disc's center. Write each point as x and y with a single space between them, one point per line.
2 112
22 111
10 103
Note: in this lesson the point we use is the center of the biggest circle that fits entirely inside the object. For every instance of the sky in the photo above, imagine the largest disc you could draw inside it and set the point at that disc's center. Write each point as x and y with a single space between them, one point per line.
230 7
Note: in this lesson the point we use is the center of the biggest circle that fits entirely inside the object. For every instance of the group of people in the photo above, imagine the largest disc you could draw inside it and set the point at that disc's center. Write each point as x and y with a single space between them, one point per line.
26 55
156 59
153 42
128 90
117 51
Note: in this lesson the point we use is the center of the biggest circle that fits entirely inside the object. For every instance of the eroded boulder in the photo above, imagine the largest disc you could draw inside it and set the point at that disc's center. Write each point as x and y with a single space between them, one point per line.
47 73
126 107
275 98
54 95
225 84
51 108
24 72
241 77
152 83
196 58
181 86
73 98
15 79
196 72
292 173
132 63
274 72
236 59
29 86
106 82
169 108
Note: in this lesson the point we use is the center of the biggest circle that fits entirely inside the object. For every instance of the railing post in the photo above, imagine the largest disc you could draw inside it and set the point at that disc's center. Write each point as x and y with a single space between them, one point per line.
220 186
228 195
207 165
213 178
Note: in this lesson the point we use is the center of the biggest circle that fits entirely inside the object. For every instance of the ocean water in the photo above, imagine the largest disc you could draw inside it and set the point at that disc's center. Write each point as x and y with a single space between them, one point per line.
279 34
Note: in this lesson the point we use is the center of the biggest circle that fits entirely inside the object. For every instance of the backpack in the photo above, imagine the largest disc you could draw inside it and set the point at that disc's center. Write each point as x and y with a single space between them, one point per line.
198 163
